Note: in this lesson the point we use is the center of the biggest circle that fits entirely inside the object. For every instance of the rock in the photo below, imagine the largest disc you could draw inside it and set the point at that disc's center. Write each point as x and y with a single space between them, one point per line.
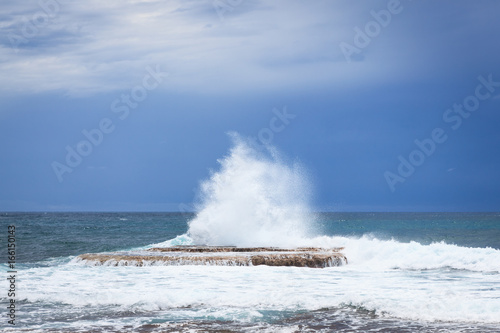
220 255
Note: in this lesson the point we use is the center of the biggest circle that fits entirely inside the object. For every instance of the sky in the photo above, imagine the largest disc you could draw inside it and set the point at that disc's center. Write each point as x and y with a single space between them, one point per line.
126 105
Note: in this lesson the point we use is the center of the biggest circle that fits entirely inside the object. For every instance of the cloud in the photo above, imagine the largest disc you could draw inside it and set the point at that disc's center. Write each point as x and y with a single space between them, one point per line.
104 46
95 46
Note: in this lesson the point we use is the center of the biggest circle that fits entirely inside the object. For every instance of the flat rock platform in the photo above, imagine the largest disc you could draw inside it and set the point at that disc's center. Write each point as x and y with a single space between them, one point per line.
219 255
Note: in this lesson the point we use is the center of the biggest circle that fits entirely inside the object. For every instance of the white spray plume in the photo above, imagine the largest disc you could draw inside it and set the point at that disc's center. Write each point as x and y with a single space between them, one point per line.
255 199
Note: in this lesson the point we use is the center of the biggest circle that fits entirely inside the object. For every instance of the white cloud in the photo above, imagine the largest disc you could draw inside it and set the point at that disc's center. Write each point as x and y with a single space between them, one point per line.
97 46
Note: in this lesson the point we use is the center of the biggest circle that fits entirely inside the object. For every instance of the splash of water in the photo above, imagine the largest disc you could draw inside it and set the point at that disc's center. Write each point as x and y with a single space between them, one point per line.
255 199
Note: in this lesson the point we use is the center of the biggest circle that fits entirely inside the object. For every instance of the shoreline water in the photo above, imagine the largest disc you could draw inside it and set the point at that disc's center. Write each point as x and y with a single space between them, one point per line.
398 278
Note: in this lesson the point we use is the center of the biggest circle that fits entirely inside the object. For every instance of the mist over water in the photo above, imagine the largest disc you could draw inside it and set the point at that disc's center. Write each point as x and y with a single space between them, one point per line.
255 199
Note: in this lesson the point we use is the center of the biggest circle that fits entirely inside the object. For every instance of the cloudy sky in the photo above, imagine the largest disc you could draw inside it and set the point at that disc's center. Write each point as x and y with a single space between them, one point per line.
126 105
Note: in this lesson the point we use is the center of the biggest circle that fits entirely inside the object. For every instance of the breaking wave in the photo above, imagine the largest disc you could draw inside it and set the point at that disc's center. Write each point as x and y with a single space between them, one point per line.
255 199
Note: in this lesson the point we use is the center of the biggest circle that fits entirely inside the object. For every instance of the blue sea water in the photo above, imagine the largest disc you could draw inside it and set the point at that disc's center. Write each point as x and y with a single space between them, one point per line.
407 272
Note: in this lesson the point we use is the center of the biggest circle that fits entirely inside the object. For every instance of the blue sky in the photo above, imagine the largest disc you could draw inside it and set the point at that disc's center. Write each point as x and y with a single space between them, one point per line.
343 87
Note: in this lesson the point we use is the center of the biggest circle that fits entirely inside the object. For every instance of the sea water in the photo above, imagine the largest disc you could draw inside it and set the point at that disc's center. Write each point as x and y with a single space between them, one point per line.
406 272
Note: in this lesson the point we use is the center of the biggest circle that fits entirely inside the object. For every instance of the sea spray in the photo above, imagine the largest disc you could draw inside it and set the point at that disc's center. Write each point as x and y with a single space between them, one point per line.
255 199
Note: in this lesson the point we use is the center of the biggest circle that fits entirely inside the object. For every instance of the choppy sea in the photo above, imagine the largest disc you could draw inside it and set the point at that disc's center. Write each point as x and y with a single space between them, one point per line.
407 272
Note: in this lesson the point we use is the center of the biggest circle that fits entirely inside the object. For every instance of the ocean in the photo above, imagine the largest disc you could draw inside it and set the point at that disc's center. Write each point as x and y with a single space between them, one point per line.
407 272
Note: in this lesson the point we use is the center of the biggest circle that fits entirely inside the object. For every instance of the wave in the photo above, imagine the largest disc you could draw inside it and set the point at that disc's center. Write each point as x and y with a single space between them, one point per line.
460 296
255 199
369 253
374 254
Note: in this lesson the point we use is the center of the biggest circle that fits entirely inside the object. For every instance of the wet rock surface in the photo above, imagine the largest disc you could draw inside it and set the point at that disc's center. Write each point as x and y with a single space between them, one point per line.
220 255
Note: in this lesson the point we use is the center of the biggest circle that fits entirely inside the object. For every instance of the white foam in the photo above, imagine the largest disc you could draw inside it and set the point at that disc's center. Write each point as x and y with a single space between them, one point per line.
179 240
191 291
369 253
255 199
